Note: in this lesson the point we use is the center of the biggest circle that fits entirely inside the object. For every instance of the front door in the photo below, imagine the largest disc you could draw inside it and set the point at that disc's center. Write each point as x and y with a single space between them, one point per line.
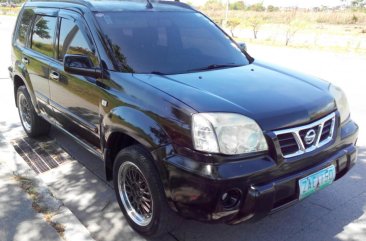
75 98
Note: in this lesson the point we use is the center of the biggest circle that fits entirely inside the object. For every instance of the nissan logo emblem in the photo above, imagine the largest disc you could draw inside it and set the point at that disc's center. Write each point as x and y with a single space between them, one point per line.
310 137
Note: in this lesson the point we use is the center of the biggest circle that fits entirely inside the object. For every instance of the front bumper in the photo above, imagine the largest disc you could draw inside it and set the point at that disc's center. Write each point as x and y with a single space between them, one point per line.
281 193
266 184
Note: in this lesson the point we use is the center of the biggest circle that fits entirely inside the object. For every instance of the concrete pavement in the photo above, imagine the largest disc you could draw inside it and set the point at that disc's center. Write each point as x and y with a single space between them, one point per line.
18 220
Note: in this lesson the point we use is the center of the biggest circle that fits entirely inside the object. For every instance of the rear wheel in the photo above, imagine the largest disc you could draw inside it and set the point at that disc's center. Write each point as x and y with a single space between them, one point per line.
33 125
140 193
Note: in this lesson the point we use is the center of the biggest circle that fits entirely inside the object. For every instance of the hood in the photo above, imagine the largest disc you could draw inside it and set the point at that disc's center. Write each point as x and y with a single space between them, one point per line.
274 97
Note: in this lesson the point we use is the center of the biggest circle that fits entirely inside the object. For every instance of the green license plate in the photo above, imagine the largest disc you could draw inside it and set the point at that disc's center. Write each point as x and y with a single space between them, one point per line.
316 181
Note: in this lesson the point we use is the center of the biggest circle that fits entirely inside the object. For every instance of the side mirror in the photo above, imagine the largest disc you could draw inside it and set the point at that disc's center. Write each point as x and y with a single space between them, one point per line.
80 65
243 46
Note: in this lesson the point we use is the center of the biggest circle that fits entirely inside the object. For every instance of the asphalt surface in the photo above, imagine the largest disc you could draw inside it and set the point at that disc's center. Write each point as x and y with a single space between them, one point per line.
336 213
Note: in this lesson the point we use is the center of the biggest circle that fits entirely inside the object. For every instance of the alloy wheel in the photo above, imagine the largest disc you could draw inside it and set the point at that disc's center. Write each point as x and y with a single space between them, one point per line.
135 194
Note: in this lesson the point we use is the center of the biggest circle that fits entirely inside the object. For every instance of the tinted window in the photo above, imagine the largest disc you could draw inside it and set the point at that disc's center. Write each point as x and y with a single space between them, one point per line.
24 26
43 35
167 42
73 41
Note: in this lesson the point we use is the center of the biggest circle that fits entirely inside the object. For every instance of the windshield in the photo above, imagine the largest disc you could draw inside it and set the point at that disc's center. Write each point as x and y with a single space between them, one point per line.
168 42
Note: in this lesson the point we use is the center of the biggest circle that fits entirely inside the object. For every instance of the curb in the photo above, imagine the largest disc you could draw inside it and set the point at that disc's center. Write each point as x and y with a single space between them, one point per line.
53 210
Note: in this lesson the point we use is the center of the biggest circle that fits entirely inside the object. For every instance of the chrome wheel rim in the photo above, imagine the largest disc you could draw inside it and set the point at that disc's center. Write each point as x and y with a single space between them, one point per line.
135 194
25 111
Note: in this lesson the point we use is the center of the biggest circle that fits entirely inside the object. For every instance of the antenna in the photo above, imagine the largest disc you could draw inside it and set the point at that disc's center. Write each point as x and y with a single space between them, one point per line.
149 4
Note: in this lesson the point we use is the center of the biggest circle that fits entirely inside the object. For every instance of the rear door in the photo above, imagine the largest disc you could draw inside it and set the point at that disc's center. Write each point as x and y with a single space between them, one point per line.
75 98
39 53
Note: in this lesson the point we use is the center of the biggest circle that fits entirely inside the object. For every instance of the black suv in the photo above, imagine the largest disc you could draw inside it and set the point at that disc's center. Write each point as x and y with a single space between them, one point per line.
185 120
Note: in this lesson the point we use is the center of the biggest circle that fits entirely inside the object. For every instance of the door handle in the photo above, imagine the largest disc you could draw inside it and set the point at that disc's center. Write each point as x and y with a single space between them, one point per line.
25 60
54 75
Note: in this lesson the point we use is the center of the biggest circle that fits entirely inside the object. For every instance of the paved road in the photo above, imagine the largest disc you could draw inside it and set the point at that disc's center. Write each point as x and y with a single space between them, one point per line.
336 213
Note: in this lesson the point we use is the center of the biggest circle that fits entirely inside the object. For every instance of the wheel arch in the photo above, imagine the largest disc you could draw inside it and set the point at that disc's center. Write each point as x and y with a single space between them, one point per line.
19 81
126 126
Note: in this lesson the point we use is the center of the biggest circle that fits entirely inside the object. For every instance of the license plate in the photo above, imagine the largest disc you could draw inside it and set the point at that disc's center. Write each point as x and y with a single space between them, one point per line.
316 181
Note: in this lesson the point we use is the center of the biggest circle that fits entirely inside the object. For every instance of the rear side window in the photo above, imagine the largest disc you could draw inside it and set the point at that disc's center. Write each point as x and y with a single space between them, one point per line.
24 24
72 40
43 34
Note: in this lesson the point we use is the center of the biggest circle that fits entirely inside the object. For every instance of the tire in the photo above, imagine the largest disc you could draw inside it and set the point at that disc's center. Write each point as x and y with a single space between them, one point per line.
33 124
153 222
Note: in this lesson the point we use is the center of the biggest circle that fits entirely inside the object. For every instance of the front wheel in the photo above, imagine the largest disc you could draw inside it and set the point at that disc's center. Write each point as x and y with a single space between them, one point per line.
140 193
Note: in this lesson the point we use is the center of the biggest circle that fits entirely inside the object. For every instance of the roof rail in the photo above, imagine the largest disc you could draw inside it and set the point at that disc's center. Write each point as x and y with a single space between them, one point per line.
176 3
81 2
88 4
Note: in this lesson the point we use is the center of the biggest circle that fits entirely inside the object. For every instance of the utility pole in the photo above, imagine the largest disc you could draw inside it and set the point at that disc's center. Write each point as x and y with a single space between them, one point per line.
226 13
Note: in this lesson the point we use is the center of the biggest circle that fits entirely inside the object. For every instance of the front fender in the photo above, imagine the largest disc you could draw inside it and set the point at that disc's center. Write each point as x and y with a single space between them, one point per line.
136 124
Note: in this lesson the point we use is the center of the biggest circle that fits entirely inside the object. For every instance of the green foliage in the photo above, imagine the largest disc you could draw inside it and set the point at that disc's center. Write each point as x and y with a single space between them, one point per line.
214 5
258 7
358 3
237 6
354 19
254 23
232 24
41 29
293 27
24 24
272 8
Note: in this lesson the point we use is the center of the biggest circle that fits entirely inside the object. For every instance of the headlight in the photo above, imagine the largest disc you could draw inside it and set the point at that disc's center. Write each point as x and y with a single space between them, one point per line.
341 102
227 134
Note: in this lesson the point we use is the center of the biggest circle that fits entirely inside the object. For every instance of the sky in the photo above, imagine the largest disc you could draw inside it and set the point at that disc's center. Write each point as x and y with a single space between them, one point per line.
284 3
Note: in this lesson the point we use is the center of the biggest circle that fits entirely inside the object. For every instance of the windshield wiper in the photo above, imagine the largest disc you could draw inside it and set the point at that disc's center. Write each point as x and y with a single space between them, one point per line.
216 66
157 73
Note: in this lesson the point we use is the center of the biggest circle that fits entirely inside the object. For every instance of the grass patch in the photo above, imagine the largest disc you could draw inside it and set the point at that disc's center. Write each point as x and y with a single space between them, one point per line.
340 31
9 11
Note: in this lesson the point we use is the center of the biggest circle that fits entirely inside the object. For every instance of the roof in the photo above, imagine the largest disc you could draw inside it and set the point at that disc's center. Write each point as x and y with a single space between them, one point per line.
116 5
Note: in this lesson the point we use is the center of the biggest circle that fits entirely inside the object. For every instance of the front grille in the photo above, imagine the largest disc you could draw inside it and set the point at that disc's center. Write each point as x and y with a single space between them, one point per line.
288 143
327 130
299 140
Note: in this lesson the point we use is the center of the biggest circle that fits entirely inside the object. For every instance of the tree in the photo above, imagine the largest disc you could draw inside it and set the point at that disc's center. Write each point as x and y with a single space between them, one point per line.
258 7
255 23
232 24
213 5
237 5
272 8
358 3
41 29
293 27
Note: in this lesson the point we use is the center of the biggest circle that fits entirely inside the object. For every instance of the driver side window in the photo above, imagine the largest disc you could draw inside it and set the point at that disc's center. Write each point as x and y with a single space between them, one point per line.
73 41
